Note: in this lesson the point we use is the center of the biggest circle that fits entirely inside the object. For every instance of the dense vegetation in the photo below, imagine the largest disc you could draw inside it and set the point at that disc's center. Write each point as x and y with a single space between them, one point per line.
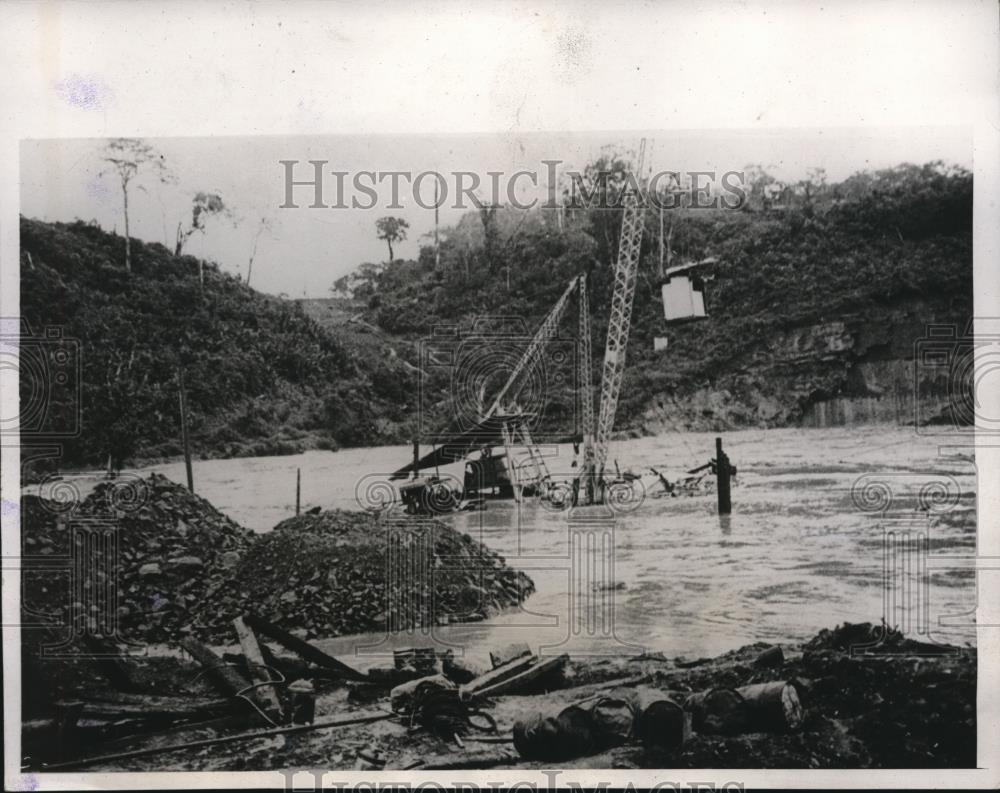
261 377
264 377
812 253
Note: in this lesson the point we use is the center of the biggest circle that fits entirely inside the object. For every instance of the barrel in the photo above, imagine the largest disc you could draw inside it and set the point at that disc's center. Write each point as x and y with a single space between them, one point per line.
558 736
720 711
772 706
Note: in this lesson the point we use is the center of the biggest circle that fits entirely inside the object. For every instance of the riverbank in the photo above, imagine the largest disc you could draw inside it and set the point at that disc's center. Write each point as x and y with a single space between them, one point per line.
867 702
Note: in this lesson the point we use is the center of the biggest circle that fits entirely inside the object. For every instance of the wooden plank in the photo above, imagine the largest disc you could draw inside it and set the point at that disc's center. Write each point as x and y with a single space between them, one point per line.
267 695
512 683
226 679
302 648
494 676
509 653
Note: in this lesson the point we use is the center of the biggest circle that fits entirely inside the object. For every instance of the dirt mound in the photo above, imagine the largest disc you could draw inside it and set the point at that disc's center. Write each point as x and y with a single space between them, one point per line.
337 573
184 568
174 550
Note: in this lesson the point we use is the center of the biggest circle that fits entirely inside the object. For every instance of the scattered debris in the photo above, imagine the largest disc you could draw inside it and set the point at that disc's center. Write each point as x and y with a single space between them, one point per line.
826 708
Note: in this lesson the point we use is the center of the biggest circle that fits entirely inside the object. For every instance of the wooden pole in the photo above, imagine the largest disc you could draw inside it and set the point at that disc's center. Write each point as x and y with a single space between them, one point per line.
416 456
298 491
722 478
185 441
661 241
437 246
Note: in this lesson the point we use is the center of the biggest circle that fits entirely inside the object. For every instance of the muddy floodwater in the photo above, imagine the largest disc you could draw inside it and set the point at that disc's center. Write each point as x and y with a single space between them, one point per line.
828 525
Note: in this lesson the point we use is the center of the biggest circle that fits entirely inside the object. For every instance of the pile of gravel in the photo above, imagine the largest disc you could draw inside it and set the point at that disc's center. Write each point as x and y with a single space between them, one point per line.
339 573
174 550
185 569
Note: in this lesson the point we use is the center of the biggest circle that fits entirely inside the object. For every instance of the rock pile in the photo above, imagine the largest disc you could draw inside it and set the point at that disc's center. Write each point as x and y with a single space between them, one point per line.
184 568
337 573
174 550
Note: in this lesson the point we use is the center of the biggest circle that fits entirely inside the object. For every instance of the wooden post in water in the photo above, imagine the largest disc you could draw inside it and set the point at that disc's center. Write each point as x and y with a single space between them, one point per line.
298 490
185 441
722 478
416 456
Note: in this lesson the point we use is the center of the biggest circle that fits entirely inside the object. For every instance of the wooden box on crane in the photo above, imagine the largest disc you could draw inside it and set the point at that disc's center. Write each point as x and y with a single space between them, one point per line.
683 293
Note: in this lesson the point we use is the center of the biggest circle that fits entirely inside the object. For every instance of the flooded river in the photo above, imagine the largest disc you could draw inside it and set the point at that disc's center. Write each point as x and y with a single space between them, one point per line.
828 525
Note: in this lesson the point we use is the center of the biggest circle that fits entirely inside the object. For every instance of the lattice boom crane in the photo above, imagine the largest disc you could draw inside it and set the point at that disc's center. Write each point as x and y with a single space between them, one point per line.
626 270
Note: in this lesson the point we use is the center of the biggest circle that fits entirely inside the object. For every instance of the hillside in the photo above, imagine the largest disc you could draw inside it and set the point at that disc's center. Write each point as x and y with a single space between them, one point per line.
261 376
816 305
816 302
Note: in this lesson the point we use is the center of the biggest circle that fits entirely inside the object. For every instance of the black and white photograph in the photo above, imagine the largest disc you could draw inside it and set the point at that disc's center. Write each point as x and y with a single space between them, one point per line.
593 447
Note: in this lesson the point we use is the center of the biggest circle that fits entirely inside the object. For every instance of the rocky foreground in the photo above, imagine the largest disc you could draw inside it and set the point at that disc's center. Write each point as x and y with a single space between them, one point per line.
895 704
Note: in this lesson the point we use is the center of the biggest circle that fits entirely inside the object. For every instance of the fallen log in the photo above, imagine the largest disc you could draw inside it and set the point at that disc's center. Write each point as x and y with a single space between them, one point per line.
260 673
772 706
302 648
226 679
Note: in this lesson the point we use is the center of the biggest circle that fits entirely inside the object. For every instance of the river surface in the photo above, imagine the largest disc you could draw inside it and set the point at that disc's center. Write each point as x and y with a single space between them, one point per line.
828 525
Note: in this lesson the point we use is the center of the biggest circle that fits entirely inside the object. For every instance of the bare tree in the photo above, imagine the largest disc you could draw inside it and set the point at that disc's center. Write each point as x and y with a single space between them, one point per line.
204 206
265 225
127 157
391 230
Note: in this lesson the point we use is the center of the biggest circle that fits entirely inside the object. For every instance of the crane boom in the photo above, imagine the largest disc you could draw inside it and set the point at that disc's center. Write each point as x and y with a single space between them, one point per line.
626 269
535 348
586 383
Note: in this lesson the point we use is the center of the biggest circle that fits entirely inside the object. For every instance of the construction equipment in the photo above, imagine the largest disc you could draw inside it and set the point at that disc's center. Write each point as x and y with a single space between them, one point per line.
626 270
586 386
529 473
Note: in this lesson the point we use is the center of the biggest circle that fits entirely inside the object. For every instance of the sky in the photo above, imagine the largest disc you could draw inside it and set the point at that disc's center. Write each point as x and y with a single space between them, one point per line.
308 248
